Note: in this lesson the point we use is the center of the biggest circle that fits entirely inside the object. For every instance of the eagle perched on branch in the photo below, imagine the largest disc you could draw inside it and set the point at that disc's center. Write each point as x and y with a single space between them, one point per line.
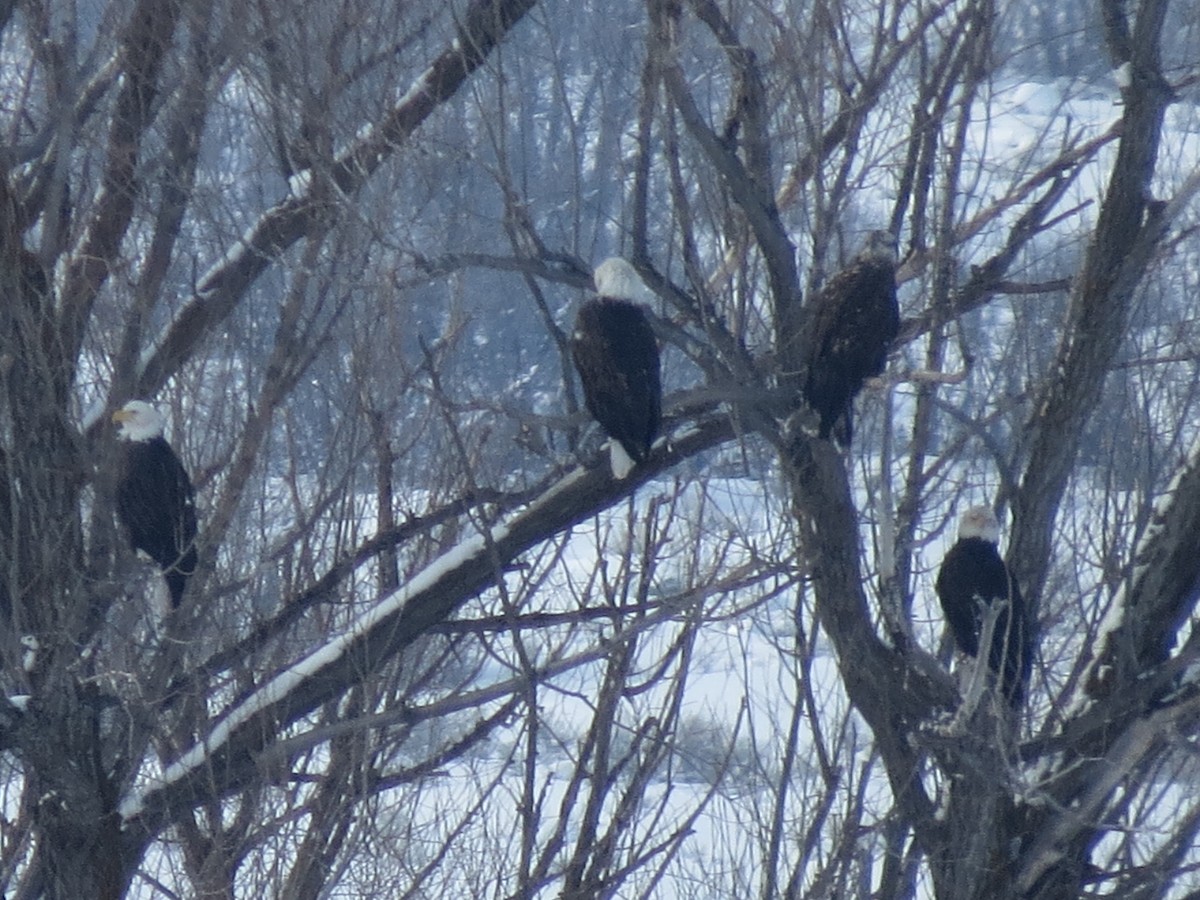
852 322
616 356
972 580
155 499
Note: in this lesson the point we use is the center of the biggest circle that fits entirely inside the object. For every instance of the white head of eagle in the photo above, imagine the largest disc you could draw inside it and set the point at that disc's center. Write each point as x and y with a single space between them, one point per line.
155 499
979 522
616 278
139 421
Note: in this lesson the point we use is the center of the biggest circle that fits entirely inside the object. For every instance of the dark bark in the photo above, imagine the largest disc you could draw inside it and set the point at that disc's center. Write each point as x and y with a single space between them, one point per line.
145 47
1122 245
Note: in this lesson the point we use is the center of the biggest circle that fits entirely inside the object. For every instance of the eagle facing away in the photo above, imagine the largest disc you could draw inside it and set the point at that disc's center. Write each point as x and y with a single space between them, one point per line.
616 356
852 322
972 578
155 499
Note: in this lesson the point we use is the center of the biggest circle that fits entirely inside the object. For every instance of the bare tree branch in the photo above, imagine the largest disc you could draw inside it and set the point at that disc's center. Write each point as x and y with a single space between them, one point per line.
484 25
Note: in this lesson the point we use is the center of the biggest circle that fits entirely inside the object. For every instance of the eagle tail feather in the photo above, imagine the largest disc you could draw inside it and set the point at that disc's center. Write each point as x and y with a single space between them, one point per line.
622 463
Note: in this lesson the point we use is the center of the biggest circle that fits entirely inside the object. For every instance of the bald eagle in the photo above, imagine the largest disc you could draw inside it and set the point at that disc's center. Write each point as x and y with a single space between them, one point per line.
616 356
155 499
972 578
852 322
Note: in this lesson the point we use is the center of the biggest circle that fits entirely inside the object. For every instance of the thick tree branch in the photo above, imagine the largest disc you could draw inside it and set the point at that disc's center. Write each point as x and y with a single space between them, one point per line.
148 39
892 695
1133 745
221 764
1121 247
751 194
484 25
1162 591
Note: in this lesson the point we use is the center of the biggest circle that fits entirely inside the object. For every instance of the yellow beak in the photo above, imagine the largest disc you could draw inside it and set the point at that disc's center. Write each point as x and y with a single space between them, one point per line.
122 415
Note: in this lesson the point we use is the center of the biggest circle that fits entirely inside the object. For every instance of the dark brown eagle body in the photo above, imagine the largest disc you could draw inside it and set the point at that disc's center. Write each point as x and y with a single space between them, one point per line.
616 355
852 323
972 578
155 499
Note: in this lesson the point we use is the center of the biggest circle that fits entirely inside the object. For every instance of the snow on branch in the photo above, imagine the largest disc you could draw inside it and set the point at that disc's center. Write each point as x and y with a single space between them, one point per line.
220 763
1161 591
1107 773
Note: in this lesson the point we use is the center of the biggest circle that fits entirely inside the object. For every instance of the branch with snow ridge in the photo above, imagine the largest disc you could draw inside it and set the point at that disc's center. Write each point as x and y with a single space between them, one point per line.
221 763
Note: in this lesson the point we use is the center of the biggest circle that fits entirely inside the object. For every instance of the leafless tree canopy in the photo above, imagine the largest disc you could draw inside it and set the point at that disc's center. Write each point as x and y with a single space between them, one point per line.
433 649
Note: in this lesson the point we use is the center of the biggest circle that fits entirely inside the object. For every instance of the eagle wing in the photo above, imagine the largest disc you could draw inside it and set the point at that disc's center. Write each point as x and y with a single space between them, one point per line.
853 320
616 355
971 577
156 502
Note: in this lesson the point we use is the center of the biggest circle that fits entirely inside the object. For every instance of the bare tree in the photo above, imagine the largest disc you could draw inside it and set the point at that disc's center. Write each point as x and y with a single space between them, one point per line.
432 648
